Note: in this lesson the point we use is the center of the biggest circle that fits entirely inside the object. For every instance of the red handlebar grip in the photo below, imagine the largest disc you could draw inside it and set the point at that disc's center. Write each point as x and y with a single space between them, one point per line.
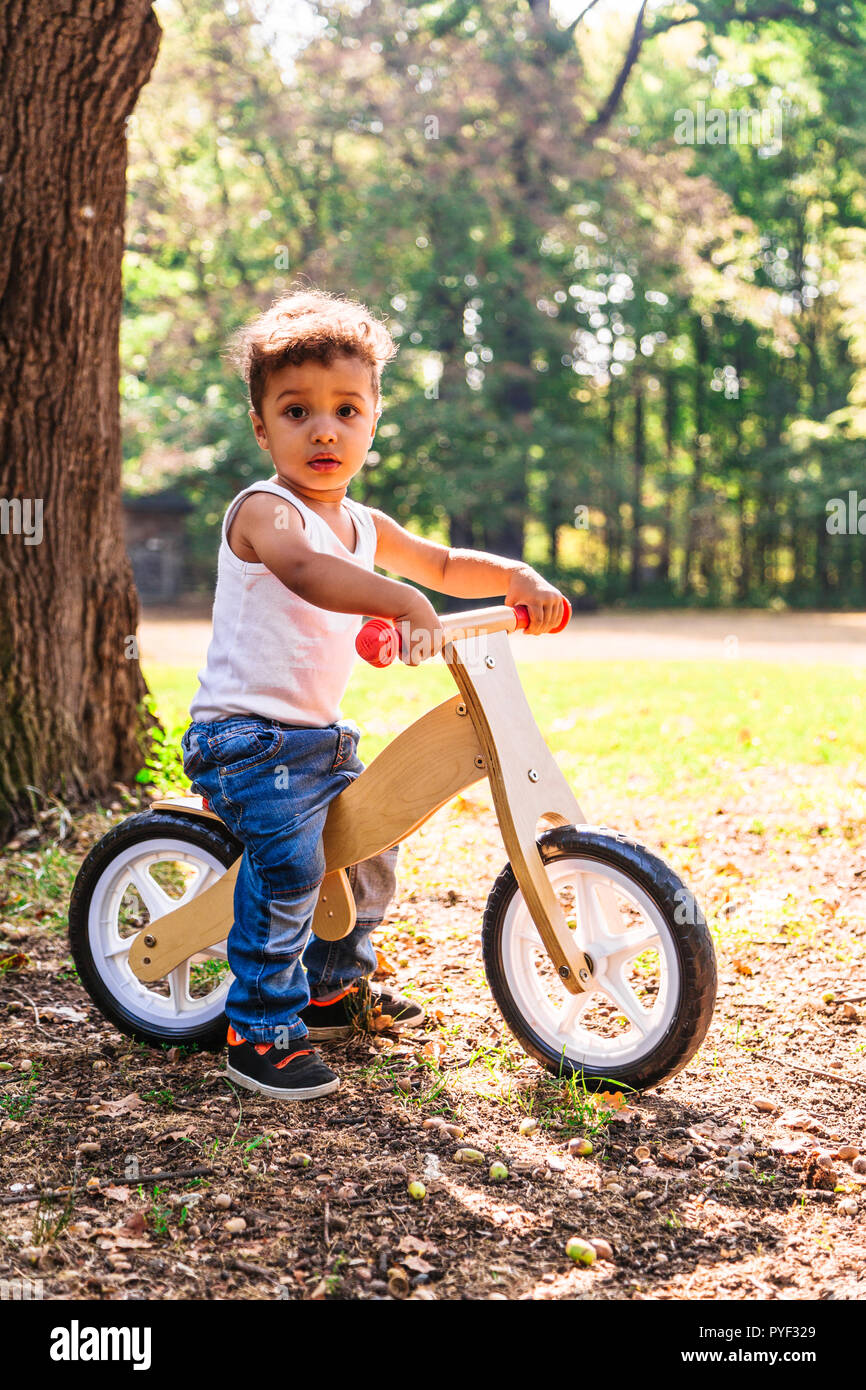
566 616
378 642
521 612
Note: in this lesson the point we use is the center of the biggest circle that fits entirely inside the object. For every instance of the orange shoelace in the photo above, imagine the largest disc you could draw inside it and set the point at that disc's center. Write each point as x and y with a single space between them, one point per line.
234 1040
323 1003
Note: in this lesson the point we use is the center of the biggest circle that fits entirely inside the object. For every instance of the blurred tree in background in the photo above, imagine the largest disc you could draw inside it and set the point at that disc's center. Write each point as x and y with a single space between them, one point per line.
623 259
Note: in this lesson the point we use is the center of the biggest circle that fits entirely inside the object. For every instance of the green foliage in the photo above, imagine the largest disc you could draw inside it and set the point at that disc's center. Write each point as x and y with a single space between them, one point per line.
14 1103
49 1221
163 768
668 336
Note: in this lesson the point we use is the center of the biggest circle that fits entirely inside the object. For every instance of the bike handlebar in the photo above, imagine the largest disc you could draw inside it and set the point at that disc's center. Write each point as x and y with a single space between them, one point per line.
379 642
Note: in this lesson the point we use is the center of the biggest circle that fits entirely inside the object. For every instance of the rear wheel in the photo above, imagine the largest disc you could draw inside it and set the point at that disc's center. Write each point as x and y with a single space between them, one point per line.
143 868
653 982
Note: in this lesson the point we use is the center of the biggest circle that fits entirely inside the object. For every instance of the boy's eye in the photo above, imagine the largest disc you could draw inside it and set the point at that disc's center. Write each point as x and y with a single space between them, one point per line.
291 408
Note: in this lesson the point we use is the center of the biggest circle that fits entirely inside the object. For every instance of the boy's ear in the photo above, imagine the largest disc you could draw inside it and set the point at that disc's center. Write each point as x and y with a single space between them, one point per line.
259 429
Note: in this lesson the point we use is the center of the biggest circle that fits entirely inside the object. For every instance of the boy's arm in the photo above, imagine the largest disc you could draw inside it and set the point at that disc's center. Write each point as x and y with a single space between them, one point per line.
466 573
275 532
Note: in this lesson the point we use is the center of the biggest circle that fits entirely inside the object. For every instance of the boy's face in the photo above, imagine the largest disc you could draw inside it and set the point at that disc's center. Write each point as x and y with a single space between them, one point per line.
312 411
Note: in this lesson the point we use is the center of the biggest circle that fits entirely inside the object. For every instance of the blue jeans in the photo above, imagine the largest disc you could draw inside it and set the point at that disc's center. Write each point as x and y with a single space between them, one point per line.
271 784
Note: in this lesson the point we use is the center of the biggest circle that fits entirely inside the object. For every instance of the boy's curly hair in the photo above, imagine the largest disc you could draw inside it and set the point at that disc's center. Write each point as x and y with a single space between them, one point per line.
304 325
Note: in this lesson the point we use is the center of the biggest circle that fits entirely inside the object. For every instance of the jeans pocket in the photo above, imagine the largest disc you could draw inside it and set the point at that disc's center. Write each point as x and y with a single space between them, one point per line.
245 746
193 761
347 745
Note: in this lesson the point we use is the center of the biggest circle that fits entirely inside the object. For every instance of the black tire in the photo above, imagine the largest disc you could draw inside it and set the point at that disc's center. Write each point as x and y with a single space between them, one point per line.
205 834
692 943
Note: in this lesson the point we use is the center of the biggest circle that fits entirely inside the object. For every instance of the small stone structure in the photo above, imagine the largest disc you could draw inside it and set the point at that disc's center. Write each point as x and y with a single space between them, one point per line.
155 527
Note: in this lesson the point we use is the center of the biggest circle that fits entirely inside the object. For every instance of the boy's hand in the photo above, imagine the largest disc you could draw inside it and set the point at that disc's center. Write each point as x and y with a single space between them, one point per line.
420 630
545 603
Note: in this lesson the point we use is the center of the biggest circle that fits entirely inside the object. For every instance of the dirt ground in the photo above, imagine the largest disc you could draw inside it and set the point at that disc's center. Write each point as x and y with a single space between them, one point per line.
740 1178
180 636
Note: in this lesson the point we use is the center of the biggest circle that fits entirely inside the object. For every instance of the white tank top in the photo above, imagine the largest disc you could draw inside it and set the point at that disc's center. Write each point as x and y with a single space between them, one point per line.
273 654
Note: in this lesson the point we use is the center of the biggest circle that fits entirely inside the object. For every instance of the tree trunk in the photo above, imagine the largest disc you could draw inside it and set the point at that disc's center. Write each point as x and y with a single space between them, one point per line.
639 469
701 348
70 716
744 578
612 526
667 525
504 531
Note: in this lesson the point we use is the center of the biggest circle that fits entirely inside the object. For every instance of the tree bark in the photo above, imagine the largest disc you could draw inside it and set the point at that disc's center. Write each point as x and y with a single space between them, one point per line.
667 524
612 526
71 719
638 470
701 348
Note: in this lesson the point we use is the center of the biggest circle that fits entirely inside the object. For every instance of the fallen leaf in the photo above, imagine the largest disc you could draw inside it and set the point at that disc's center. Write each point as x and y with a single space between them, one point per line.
676 1155
173 1134
413 1245
798 1119
117 1194
417 1265
742 967
121 1107
788 1146
820 1173
14 961
135 1223
731 868
613 1100
384 966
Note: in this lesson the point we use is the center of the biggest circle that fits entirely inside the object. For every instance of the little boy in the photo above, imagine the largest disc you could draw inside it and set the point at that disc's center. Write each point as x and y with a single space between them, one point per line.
267 745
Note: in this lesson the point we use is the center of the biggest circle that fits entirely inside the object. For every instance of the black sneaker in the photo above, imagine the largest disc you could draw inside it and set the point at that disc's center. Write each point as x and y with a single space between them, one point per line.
284 1072
357 1009
405 1012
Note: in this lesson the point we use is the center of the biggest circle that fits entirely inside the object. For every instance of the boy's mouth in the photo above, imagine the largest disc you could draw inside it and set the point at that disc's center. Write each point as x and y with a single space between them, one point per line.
324 463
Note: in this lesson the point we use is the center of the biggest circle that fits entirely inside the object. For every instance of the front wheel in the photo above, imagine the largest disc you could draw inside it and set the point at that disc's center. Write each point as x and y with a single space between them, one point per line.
653 984
144 867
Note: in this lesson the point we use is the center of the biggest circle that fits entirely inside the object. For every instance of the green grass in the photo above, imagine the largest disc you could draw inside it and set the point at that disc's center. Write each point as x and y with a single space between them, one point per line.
651 725
16 1104
36 887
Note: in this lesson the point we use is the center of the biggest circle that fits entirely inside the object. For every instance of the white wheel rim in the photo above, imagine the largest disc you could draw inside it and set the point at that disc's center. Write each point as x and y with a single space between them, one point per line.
177 1010
621 929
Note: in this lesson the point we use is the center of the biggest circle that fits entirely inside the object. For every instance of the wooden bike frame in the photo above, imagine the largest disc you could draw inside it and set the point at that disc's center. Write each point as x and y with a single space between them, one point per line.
486 731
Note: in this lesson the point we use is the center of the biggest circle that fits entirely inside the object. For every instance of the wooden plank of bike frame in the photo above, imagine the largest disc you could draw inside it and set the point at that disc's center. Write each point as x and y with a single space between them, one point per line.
335 914
419 771
192 805
526 782
424 767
